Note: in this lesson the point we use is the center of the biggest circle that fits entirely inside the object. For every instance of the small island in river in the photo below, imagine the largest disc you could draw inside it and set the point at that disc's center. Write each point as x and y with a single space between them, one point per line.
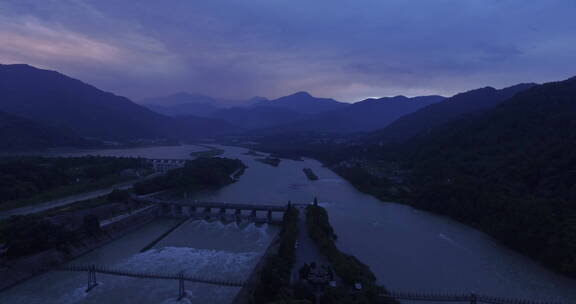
212 152
253 153
274 162
310 174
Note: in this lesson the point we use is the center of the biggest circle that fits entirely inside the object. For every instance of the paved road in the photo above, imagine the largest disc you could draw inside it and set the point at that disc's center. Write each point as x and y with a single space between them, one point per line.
68 200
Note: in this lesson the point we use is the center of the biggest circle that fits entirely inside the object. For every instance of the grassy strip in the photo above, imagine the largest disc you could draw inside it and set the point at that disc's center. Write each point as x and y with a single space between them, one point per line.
347 267
274 283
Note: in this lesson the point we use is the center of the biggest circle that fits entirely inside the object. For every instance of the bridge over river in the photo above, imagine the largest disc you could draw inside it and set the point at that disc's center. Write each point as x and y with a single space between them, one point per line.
224 211
92 270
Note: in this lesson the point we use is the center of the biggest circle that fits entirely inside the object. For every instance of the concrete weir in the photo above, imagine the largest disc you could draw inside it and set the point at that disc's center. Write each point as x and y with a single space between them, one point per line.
226 212
27 267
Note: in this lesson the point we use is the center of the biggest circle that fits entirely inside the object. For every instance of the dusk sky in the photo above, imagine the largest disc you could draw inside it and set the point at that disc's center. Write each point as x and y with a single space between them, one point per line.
345 49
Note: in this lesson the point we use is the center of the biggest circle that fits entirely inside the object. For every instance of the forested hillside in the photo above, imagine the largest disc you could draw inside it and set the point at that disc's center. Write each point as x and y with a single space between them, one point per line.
21 134
363 116
436 114
510 171
58 101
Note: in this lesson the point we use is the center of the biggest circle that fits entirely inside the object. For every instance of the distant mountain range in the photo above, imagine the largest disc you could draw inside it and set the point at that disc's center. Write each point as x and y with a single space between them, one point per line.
452 108
182 104
62 107
58 101
201 108
304 103
297 112
363 116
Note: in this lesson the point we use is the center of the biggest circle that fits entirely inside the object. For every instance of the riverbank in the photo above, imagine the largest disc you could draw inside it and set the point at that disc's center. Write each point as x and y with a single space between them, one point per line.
16 271
73 230
274 278
246 294
274 162
359 282
437 199
211 152
34 180
395 240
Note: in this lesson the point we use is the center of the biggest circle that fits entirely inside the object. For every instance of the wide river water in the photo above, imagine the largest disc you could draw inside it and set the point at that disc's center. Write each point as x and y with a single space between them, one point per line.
408 249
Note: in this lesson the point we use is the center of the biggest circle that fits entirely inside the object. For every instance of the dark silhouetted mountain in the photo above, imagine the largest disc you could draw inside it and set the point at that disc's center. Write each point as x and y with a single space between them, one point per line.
257 112
184 104
510 170
452 108
56 100
255 100
21 134
304 103
256 117
193 127
184 109
363 116
178 99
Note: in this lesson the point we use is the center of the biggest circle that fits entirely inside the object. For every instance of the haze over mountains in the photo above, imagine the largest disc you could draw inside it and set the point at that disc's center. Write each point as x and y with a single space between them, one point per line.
298 112
363 116
37 99
55 100
452 108
183 103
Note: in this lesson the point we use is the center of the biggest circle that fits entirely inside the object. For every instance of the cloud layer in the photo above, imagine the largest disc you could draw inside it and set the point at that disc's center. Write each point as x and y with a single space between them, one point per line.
347 49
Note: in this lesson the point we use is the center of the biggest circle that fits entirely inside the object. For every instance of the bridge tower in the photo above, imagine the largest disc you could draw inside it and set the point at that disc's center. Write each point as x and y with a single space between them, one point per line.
181 289
91 278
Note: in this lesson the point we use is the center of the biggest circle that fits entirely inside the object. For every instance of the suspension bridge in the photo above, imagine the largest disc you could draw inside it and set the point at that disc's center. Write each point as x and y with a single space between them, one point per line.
92 270
471 298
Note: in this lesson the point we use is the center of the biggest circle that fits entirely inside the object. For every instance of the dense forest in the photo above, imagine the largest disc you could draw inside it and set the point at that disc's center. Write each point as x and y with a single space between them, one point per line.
28 177
510 172
200 173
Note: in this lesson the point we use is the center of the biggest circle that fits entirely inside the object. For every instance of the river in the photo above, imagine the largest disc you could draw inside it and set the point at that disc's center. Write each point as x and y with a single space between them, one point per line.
408 249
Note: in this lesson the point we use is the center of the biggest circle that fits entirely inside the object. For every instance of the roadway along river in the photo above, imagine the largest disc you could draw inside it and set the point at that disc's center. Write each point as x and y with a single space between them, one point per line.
409 250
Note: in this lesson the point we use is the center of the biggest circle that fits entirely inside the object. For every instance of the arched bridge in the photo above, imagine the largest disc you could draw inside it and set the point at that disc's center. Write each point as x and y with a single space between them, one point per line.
218 210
